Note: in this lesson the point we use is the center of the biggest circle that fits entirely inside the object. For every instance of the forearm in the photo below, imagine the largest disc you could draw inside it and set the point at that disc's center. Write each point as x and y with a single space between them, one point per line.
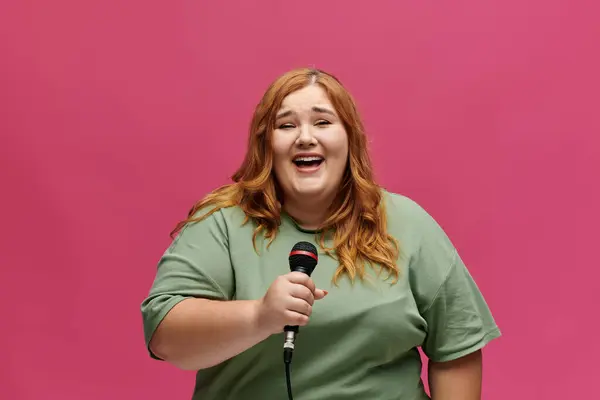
200 333
456 380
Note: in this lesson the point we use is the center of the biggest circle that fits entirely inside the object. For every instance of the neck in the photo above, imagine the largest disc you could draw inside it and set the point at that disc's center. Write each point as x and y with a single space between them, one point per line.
308 215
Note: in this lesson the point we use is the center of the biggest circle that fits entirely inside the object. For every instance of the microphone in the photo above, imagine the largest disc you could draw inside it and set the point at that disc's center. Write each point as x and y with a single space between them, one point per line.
303 258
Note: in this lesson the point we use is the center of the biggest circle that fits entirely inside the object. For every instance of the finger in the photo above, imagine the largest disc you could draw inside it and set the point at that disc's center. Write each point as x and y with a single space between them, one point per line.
299 306
302 279
320 293
310 284
302 292
294 318
298 277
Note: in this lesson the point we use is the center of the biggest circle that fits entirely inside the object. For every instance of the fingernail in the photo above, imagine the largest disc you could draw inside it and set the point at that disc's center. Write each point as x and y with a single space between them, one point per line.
326 292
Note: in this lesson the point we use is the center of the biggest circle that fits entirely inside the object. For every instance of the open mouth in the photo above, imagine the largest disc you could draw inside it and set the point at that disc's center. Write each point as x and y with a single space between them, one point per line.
308 162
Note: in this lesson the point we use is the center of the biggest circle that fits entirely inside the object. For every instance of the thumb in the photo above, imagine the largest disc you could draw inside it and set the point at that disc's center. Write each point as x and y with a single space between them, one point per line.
320 293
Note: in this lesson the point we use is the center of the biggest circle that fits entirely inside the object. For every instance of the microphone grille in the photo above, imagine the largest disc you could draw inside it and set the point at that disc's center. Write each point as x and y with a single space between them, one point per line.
305 246
303 257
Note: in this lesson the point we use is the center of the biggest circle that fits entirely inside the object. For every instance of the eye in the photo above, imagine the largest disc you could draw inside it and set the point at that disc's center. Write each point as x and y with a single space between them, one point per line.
286 126
323 123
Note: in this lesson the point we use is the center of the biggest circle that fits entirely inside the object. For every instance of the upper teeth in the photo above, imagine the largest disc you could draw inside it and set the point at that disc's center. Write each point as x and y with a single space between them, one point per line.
307 159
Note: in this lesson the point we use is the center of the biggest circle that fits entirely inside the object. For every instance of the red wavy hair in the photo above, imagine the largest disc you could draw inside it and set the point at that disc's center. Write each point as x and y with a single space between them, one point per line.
356 218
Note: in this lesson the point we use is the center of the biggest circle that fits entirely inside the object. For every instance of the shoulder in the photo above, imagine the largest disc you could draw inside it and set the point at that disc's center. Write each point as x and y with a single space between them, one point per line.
220 215
401 206
232 216
423 240
218 223
406 216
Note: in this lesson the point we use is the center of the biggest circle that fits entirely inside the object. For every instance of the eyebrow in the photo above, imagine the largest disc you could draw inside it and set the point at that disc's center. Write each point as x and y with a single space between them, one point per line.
283 115
323 110
315 109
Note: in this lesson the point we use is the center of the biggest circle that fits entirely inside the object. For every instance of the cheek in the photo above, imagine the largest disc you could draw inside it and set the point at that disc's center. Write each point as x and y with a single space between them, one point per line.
281 154
337 146
278 147
279 166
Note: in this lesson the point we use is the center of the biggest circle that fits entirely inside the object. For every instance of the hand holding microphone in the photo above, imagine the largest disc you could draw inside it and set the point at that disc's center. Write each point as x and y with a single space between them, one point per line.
289 300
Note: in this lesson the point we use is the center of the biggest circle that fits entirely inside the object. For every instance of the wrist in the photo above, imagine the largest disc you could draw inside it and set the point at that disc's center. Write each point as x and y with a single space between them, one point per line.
257 320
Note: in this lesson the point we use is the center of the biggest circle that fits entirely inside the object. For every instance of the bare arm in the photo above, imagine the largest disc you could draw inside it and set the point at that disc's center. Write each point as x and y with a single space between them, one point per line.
459 379
200 333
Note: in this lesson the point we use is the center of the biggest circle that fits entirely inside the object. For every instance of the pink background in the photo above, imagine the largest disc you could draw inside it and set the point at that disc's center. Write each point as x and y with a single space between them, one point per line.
114 114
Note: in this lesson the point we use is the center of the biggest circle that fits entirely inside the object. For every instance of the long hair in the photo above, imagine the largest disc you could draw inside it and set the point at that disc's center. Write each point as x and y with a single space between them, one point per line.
356 218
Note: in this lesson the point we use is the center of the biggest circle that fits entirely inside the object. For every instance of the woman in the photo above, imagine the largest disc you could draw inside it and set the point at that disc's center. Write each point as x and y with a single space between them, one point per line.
388 280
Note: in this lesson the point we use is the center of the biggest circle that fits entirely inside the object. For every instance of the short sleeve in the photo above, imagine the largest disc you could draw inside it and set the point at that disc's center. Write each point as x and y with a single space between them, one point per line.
459 320
457 316
196 264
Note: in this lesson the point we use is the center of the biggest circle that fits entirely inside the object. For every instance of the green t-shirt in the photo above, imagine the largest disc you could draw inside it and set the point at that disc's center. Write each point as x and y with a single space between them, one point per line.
362 339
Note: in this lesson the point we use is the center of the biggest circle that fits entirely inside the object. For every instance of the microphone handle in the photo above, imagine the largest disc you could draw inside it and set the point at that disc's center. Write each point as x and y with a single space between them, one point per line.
304 270
292 331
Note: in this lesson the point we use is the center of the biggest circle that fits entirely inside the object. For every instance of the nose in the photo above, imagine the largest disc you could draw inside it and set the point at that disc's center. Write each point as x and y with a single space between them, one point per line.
305 136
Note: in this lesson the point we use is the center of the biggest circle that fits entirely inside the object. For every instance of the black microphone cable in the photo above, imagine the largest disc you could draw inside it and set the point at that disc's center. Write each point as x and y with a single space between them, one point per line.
303 258
288 351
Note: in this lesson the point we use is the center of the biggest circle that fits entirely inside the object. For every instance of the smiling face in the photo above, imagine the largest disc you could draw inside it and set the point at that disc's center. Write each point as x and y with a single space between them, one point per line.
310 147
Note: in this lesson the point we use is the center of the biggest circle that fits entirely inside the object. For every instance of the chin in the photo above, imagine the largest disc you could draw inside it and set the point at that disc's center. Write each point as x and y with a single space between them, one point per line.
315 190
